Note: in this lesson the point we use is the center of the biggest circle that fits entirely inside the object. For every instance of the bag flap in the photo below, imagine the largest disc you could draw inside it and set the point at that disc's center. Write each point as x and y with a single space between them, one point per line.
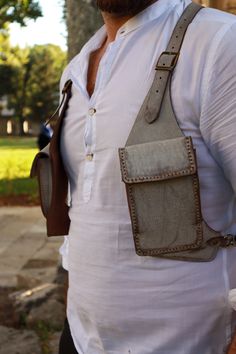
158 160
44 153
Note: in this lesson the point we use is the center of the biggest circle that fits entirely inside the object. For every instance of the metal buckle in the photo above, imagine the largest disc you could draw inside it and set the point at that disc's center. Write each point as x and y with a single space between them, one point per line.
230 241
223 241
173 64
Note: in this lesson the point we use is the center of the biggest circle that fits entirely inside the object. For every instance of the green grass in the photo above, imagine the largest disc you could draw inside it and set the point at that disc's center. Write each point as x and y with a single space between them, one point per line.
15 161
18 143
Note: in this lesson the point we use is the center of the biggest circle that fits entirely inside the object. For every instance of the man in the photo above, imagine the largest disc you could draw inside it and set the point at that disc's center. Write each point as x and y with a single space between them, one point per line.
118 302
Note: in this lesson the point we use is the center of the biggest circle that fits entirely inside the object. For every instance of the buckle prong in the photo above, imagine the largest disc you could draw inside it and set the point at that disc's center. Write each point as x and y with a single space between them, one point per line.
223 241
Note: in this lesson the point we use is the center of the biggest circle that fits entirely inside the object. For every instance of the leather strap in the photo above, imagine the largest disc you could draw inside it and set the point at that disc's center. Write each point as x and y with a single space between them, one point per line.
167 63
58 220
66 95
157 103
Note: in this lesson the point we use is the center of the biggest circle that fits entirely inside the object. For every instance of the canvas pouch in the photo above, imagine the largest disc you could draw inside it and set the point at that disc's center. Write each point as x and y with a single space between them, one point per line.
161 181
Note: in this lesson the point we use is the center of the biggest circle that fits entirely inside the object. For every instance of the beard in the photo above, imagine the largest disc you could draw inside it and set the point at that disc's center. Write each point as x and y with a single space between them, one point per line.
122 7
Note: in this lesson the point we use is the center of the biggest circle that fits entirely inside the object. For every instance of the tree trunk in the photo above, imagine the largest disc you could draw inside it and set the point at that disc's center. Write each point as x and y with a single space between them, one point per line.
21 112
82 21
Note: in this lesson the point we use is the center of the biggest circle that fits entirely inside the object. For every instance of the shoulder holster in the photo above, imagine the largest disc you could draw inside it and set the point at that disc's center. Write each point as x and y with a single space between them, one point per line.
158 167
52 178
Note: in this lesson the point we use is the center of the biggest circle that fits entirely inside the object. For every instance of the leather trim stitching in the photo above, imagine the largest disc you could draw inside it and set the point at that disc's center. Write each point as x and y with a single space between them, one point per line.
191 169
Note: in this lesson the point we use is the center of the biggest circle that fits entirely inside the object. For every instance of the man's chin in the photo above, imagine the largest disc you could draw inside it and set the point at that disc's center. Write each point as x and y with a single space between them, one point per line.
121 8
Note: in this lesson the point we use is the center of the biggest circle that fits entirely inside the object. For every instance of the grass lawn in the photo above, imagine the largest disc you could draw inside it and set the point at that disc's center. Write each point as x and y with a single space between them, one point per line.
15 161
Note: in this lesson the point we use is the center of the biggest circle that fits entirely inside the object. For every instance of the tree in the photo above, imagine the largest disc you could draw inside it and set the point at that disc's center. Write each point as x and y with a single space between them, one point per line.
82 21
37 92
7 70
30 79
18 11
46 63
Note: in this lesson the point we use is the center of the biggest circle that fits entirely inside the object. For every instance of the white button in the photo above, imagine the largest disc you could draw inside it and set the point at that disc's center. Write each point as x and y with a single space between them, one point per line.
92 111
89 157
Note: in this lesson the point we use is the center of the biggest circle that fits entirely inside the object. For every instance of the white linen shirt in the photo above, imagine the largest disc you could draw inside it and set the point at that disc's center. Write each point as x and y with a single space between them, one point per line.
118 302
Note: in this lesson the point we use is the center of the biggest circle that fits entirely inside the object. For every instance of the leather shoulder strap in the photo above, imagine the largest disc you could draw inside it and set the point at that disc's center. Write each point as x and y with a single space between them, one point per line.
167 62
66 92
62 108
157 103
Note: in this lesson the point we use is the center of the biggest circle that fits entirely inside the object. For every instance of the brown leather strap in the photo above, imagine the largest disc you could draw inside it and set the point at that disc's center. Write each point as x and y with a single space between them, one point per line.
167 63
66 93
58 220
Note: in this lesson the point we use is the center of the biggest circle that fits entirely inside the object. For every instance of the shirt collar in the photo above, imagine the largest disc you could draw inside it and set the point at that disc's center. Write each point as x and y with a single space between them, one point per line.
149 14
152 12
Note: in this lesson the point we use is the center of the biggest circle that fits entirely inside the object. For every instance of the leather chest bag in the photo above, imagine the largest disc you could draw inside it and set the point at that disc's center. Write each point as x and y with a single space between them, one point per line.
159 169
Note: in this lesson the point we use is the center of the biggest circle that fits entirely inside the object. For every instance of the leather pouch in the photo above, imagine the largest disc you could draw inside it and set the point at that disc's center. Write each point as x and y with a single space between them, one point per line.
53 189
165 171
42 169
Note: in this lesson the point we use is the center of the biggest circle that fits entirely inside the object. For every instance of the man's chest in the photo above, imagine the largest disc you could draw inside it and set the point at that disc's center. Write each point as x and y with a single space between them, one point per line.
105 119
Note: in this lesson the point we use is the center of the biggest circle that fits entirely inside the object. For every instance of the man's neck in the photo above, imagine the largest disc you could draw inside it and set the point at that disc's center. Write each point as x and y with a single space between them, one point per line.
113 22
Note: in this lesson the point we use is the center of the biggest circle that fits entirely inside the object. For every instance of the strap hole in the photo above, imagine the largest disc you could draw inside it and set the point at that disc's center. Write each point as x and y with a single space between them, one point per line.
177 37
160 77
157 91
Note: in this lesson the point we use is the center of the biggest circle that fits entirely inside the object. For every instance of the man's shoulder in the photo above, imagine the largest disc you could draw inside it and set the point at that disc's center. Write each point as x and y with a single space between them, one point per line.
209 28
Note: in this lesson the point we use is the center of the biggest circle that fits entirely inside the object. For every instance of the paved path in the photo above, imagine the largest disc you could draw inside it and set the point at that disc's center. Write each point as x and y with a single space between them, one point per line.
27 257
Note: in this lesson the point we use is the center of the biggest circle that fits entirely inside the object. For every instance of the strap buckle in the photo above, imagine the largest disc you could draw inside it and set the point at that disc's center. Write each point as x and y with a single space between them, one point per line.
223 241
167 61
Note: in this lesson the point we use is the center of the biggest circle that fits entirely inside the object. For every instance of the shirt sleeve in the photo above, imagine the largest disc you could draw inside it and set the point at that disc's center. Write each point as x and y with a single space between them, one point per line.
218 114
64 78
64 249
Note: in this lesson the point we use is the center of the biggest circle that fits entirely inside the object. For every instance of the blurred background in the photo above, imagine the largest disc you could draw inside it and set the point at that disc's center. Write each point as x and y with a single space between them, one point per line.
37 39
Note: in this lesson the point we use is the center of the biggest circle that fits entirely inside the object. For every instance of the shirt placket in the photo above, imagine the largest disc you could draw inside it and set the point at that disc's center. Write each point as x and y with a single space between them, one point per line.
89 145
90 126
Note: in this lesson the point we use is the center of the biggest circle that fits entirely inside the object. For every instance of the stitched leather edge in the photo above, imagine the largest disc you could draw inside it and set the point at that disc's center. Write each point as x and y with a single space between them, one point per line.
159 251
190 170
133 214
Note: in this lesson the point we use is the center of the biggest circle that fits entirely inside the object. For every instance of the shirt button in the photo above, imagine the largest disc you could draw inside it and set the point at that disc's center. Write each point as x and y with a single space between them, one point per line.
89 157
92 111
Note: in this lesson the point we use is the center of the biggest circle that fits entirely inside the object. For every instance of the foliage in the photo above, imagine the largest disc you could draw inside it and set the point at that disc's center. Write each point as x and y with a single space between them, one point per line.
18 11
4 44
45 66
7 74
30 79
